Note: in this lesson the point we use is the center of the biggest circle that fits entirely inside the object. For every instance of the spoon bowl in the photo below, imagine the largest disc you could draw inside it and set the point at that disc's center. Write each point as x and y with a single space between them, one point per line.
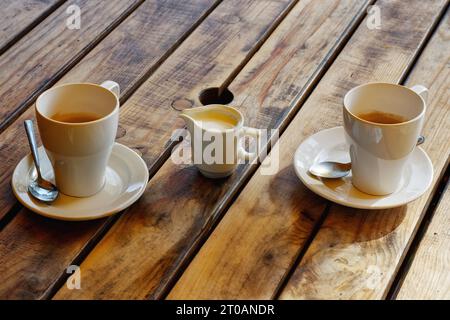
43 190
330 169
38 187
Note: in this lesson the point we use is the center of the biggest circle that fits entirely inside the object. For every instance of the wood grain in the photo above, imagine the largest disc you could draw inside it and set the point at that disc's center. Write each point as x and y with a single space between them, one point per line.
37 60
180 206
428 277
28 267
18 17
127 55
259 239
198 61
356 253
215 52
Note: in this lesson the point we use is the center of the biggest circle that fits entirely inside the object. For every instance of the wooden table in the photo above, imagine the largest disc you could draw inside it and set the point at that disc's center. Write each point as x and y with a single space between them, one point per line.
288 64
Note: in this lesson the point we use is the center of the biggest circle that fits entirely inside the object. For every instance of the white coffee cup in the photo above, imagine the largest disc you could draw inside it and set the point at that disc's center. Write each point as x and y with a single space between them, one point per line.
79 152
379 152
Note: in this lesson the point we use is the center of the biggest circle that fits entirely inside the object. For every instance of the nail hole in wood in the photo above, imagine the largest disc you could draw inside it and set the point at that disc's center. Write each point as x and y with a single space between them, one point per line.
181 104
212 96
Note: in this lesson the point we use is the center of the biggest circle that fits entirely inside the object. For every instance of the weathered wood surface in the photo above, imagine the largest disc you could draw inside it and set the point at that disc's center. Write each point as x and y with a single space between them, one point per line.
18 17
428 277
217 49
252 250
271 66
45 53
196 62
127 55
180 206
356 254
140 44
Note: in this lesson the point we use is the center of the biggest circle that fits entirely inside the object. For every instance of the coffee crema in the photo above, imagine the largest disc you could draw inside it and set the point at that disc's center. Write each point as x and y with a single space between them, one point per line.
78 117
381 117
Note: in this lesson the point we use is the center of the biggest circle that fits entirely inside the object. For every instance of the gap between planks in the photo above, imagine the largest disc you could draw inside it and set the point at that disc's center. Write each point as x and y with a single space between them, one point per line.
104 228
24 105
403 79
296 103
440 18
407 62
231 195
438 194
14 210
167 54
31 26
62 279
284 281
163 157
94 233
258 46
165 154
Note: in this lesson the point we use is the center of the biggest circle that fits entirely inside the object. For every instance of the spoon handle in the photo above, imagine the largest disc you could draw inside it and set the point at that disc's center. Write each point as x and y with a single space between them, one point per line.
33 145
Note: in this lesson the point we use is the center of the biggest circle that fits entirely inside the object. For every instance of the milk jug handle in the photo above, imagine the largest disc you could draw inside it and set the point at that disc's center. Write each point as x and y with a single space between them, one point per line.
244 154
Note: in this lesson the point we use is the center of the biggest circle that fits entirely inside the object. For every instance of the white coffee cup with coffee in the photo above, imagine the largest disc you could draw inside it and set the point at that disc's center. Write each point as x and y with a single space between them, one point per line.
78 123
382 122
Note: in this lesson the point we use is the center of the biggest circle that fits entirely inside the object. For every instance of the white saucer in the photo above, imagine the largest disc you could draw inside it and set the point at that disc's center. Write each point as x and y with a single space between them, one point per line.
330 145
126 179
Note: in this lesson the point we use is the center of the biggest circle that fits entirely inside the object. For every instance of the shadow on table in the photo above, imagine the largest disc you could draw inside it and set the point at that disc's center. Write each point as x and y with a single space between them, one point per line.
343 224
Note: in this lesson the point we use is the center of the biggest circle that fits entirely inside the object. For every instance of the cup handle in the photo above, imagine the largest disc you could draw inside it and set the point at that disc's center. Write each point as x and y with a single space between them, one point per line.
244 154
112 86
421 91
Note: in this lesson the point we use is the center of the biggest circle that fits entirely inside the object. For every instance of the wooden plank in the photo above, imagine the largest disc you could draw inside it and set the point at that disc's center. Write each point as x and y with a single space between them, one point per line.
252 250
356 253
38 59
427 277
216 51
148 119
200 58
29 236
19 17
154 240
27 265
127 55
